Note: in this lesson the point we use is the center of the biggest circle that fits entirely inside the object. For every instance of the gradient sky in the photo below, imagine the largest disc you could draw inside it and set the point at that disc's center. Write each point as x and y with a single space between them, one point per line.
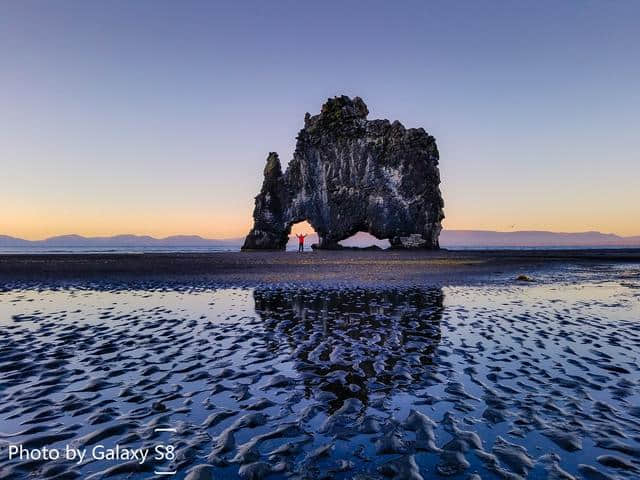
154 117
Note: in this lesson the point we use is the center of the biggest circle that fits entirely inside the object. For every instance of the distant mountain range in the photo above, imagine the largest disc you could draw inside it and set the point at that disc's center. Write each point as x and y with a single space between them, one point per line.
485 238
118 241
448 238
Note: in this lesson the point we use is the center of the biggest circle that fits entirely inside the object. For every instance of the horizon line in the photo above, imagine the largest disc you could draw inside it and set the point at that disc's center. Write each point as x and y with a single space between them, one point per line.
240 237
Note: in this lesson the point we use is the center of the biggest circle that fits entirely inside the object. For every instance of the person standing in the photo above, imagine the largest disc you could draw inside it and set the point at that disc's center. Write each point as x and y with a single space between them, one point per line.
301 242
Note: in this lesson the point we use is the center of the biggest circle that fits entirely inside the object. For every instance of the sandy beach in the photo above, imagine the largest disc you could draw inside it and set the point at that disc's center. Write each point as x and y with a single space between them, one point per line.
346 267
494 379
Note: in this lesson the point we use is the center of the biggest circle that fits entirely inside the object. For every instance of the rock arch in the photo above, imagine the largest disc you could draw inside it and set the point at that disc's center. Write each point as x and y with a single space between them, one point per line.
350 174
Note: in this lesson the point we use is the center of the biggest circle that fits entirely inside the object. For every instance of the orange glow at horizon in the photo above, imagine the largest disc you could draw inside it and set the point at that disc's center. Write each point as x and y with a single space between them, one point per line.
198 211
158 224
38 226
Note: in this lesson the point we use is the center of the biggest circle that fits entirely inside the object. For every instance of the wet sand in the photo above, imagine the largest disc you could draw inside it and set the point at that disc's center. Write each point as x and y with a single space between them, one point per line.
346 267
282 366
533 380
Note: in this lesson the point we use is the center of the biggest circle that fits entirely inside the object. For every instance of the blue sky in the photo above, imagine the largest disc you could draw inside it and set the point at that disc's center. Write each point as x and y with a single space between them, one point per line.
156 117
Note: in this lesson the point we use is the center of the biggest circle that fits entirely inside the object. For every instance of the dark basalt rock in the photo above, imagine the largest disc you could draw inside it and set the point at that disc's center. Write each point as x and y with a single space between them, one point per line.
350 174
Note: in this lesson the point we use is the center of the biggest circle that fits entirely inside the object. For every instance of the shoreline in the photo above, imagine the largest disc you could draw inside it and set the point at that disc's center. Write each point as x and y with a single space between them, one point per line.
338 268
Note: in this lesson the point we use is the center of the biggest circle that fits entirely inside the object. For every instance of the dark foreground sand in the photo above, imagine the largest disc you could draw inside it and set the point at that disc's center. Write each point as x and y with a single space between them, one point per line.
326 267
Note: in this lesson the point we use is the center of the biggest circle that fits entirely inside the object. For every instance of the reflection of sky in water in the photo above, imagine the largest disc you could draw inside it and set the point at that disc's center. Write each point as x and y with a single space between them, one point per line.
552 367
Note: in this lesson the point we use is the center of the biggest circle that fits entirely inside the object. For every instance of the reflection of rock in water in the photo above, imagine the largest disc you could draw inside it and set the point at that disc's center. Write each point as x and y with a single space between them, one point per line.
349 343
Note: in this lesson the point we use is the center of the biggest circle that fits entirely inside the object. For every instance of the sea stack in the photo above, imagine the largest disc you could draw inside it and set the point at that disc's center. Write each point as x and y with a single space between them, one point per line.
349 174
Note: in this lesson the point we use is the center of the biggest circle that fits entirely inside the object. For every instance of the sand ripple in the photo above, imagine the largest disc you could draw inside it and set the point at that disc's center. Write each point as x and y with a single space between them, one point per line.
535 381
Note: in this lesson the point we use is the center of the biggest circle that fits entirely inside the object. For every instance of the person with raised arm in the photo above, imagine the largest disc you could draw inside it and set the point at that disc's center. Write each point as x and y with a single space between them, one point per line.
300 238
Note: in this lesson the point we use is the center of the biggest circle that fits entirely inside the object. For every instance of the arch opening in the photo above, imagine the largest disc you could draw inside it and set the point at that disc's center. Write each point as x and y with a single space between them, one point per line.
364 240
303 228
